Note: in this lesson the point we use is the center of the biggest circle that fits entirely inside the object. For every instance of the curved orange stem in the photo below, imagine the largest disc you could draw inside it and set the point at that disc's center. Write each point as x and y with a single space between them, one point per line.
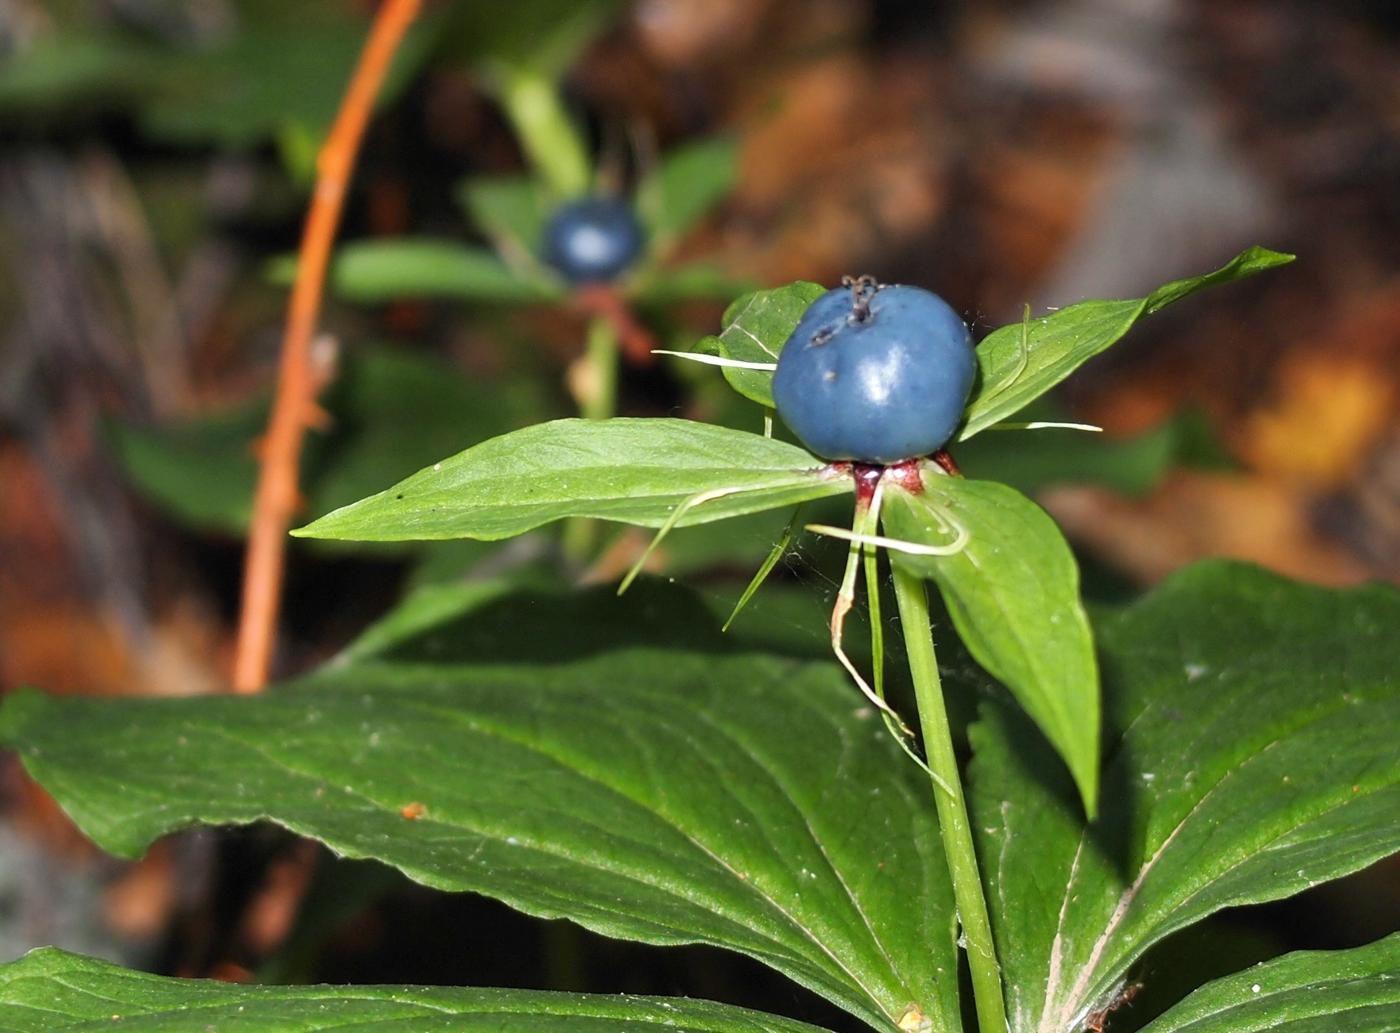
294 407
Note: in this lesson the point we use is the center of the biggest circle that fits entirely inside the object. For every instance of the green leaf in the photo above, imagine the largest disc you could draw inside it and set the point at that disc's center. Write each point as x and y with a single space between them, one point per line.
1013 594
1250 737
289 69
203 472
373 271
50 989
1013 376
391 409
511 210
635 471
689 182
613 761
1352 991
1246 263
96 69
756 326
544 36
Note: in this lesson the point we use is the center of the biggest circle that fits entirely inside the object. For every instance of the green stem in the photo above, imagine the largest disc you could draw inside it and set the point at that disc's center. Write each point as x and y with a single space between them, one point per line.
597 401
952 807
547 134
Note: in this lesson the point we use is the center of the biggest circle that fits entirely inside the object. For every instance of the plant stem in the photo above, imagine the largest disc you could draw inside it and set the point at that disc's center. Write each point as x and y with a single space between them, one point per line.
547 134
952 807
599 395
298 377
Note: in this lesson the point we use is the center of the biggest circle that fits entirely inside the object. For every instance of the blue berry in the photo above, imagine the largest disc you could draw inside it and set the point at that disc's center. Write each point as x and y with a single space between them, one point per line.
592 240
875 374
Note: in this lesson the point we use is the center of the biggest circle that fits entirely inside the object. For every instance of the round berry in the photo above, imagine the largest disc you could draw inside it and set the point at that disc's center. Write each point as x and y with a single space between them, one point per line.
593 239
875 374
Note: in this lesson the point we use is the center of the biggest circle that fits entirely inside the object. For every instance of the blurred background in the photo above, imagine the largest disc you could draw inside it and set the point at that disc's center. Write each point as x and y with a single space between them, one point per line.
155 163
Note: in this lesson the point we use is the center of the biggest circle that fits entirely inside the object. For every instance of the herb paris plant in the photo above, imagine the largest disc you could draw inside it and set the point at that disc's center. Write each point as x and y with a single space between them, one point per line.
753 806
672 473
1013 596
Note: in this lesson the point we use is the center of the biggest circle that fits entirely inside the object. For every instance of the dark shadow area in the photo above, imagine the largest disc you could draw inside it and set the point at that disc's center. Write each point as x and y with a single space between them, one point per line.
1345 913
1117 785
410 934
550 626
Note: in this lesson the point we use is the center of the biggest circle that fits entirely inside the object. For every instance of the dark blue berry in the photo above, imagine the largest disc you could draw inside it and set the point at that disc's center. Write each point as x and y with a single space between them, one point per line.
875 374
592 240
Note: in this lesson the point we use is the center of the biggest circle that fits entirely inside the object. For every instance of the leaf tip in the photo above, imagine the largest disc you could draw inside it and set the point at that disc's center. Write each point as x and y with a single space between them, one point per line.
1268 256
17 711
325 526
1084 768
1090 799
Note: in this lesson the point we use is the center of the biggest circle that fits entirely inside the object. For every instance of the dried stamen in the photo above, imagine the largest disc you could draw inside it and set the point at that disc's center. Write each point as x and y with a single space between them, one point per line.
863 289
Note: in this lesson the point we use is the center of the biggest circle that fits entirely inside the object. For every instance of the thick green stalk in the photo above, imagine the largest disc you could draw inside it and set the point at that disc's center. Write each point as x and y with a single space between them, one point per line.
547 134
952 807
598 399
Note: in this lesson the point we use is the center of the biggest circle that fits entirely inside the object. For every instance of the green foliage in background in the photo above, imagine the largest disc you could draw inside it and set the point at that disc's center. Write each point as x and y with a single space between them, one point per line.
387 407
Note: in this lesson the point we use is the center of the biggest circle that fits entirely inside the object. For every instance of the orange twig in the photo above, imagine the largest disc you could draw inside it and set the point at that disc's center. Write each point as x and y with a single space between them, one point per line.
294 407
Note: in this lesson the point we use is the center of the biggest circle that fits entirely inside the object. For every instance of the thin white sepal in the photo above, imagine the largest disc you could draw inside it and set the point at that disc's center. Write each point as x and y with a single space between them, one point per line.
1046 425
880 541
718 360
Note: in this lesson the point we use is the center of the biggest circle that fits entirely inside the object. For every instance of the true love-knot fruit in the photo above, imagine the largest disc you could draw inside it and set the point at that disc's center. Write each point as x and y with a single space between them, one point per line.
875 374
592 240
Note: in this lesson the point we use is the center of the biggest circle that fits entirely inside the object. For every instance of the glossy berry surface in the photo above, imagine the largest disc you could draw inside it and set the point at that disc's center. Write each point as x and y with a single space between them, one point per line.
592 240
875 374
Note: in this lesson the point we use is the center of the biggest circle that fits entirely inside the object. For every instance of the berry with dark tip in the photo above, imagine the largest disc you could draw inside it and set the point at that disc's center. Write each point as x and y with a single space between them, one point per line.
592 240
875 374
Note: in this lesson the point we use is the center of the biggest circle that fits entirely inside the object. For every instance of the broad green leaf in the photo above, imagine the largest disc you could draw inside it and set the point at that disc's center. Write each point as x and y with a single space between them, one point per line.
1013 594
1351 991
291 69
372 271
51 990
96 69
544 36
202 472
613 761
1250 737
1012 376
688 182
390 410
279 67
756 326
635 471
511 211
